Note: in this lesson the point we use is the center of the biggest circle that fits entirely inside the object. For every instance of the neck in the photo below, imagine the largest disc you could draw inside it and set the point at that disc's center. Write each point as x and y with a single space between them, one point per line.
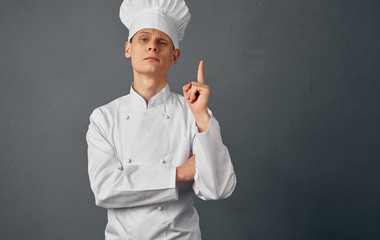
148 85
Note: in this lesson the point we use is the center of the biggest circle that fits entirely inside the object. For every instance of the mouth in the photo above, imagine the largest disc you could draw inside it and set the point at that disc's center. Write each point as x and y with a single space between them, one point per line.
151 59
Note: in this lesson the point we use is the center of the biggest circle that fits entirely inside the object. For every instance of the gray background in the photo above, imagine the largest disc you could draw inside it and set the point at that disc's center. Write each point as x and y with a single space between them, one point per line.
295 88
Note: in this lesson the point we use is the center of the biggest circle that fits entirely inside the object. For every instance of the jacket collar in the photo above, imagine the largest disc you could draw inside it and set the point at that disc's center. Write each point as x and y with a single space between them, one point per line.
156 100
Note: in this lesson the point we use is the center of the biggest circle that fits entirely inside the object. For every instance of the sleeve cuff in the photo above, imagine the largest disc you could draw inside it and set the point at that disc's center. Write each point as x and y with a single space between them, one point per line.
172 176
173 184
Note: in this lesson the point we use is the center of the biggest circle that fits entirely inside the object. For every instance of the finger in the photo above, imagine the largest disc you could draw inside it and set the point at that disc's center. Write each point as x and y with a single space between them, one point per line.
194 94
200 72
185 89
191 97
201 87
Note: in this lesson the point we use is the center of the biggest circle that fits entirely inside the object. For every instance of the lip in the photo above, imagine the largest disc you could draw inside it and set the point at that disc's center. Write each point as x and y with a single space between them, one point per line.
151 58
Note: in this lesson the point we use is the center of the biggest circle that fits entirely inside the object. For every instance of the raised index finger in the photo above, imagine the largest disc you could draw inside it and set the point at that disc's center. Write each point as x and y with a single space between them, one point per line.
200 72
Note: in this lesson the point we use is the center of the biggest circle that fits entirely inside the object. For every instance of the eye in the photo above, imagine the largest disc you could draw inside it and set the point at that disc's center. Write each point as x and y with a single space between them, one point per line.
163 43
143 39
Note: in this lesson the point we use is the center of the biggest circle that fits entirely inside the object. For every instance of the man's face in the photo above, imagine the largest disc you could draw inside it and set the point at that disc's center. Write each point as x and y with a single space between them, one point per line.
151 52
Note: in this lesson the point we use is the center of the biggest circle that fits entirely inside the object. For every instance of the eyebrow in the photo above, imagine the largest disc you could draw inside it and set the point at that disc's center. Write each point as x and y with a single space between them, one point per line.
149 33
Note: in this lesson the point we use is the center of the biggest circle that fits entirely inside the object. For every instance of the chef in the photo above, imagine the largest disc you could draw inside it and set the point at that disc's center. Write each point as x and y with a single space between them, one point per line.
151 150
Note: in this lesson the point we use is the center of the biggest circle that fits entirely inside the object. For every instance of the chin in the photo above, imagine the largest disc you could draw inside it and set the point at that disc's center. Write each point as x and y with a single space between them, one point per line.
152 70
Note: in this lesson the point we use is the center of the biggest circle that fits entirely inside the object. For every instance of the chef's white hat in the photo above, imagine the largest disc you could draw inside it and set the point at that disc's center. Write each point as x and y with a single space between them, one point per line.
168 16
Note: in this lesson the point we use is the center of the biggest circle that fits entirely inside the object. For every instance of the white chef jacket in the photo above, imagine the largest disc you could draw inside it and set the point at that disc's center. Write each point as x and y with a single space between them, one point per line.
133 151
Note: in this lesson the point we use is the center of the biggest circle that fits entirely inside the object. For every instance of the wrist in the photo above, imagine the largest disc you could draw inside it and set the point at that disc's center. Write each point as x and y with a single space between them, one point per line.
177 178
202 121
179 175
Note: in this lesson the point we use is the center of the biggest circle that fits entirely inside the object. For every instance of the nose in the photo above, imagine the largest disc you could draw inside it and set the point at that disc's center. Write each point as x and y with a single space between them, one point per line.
153 46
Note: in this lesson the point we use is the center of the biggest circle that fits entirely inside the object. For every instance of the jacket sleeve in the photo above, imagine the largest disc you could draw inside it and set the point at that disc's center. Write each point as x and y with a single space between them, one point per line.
214 175
117 187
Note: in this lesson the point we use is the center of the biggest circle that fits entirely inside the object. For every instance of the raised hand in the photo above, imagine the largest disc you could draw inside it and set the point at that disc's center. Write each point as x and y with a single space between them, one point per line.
197 95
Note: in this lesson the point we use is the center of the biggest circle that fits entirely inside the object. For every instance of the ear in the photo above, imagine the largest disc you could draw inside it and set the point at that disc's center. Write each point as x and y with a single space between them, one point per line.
175 56
127 52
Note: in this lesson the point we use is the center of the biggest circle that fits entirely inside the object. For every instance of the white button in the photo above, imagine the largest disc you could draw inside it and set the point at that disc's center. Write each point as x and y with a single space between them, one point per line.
160 208
166 116
127 117
129 160
163 161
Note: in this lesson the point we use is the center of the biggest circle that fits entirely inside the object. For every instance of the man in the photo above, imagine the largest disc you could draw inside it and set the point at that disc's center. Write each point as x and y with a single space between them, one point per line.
150 150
